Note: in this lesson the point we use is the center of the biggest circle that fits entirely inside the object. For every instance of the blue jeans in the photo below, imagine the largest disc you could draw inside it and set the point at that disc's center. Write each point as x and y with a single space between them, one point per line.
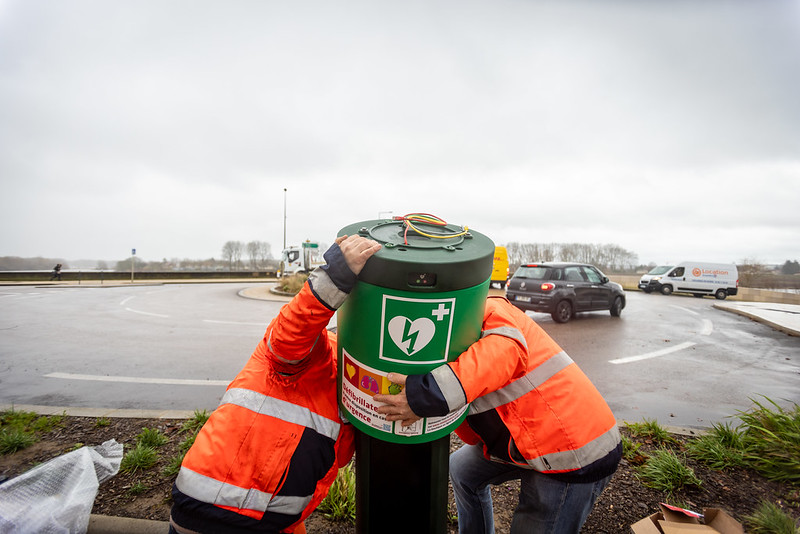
546 505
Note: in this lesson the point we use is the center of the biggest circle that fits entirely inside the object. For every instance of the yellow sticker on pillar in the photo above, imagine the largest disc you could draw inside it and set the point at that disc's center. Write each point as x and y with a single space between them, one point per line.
359 384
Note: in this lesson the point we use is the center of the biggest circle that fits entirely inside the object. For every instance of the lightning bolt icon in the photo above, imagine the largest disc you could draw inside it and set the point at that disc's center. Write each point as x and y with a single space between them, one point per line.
409 336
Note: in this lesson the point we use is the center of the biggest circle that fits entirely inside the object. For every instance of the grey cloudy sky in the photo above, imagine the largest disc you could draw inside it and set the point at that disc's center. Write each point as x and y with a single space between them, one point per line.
670 128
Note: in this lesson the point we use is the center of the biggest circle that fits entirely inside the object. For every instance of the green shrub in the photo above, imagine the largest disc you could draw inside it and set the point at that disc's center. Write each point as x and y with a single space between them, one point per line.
292 284
140 458
174 466
196 422
769 519
340 503
721 448
664 471
652 430
13 439
772 441
138 488
17 419
630 449
102 421
151 437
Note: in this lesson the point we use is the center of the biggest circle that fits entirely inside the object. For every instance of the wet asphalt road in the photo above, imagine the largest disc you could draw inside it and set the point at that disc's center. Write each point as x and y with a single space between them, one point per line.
676 359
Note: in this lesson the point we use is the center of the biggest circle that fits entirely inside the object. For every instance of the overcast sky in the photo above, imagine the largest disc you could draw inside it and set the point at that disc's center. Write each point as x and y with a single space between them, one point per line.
670 128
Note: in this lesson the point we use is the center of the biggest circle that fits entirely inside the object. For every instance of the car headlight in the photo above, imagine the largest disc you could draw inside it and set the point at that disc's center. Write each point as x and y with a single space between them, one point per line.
656 278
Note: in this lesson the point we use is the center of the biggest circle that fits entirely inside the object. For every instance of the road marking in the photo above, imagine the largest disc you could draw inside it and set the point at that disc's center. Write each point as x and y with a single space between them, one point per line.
138 380
656 354
146 313
681 308
231 322
708 328
125 301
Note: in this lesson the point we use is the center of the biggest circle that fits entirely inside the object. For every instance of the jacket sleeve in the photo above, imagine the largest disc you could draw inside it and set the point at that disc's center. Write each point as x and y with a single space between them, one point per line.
299 328
497 357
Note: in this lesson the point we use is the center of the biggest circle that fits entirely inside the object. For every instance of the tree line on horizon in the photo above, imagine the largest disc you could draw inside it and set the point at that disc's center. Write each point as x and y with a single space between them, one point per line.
607 257
257 255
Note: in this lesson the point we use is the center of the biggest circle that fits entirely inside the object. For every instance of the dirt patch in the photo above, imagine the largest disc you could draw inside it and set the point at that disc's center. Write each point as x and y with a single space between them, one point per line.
624 502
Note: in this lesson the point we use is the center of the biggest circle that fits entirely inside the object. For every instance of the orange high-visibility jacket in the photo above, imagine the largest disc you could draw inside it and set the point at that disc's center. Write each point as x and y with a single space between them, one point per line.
269 453
530 403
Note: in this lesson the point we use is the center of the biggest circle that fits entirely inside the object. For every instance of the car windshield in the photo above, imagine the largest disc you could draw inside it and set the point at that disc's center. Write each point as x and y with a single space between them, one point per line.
533 272
661 269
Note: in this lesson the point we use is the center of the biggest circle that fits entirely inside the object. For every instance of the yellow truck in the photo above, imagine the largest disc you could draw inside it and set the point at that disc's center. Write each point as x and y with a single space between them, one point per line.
500 268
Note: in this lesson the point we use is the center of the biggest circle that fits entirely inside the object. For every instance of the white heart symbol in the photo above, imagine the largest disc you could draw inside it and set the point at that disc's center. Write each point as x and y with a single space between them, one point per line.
411 336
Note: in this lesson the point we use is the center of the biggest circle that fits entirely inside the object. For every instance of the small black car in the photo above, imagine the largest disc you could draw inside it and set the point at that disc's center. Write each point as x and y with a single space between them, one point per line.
564 289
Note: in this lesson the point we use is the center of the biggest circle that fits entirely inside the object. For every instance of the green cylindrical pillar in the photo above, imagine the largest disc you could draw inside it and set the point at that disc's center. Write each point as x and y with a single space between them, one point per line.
418 304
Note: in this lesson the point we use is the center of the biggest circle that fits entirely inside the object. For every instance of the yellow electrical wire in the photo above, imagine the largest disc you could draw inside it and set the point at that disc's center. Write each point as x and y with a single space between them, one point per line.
429 219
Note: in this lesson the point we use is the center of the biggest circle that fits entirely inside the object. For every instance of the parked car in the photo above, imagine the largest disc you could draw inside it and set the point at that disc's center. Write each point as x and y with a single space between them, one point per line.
564 289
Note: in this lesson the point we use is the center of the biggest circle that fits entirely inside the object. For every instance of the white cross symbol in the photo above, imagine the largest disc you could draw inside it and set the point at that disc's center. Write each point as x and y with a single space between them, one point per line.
440 312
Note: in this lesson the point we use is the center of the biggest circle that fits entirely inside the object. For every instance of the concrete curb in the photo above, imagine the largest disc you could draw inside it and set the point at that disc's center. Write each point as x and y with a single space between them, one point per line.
98 412
105 524
758 314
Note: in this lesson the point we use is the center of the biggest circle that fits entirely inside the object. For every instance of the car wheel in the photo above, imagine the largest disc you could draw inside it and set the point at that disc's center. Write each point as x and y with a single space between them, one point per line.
666 290
721 294
616 308
563 312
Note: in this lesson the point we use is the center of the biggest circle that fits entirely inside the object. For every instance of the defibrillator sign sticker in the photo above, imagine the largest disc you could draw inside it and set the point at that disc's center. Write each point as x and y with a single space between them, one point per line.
416 331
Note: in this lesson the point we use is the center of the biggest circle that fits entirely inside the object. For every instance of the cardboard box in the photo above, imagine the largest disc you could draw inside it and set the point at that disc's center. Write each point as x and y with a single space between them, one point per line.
674 520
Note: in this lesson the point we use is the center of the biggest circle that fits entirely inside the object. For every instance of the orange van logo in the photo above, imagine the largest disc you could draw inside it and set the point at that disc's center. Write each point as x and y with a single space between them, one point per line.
696 271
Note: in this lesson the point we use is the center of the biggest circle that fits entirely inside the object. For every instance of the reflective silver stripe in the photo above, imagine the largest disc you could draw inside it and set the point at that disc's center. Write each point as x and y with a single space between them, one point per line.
450 386
285 411
209 490
285 359
325 289
516 389
581 457
284 504
507 331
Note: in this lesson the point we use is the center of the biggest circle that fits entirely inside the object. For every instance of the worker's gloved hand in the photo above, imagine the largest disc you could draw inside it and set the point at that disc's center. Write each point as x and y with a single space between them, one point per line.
346 258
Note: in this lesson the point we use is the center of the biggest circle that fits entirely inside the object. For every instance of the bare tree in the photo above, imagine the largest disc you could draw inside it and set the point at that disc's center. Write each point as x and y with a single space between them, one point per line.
264 252
258 252
252 252
232 252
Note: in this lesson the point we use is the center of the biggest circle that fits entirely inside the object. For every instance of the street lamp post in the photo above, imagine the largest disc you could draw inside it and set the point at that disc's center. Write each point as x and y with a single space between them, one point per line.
284 217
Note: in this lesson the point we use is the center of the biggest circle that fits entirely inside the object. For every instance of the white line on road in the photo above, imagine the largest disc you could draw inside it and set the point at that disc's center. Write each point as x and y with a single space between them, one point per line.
231 322
126 300
138 380
708 327
146 313
656 354
681 308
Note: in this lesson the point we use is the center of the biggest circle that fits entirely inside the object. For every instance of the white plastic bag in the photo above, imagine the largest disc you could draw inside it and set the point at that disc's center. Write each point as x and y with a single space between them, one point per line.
57 496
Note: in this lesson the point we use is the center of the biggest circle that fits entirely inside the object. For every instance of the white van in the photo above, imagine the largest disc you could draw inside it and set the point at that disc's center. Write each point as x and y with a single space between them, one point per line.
647 281
700 278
